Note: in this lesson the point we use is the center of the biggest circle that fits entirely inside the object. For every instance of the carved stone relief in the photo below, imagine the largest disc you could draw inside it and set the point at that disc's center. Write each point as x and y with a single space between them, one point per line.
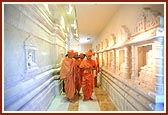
30 51
147 20
123 34
139 57
106 43
102 46
98 47
113 39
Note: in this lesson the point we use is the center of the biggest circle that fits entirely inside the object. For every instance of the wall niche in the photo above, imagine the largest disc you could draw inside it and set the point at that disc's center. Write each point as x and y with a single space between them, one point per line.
144 56
121 63
30 52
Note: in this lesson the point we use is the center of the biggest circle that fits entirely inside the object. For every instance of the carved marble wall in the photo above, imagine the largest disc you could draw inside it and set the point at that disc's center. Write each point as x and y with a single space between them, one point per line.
33 50
135 75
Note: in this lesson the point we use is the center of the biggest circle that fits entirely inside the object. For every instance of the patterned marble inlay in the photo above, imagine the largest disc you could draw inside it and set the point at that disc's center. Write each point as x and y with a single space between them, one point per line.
101 102
104 100
74 106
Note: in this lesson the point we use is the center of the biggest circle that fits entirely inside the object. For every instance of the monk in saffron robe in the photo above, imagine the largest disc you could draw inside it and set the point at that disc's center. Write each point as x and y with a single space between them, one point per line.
97 70
87 66
67 74
78 78
81 58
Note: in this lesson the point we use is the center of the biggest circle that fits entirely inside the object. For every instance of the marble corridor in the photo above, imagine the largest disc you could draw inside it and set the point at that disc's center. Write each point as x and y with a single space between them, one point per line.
101 102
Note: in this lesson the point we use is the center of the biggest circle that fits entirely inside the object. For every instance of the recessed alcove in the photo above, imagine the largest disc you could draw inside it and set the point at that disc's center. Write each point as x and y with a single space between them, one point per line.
110 59
105 56
143 56
121 60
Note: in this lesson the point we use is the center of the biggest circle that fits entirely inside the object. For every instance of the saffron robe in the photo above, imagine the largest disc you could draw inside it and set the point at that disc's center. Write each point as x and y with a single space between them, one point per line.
87 77
78 79
67 74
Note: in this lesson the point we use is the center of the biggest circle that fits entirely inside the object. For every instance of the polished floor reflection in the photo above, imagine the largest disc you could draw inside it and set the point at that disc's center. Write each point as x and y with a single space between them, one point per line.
101 102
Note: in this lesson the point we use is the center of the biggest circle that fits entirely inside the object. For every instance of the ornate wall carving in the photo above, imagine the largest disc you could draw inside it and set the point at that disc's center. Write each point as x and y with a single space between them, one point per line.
136 62
31 81
30 51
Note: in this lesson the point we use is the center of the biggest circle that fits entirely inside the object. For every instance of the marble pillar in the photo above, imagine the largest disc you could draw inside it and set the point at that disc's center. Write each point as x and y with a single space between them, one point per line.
159 65
114 61
133 73
127 62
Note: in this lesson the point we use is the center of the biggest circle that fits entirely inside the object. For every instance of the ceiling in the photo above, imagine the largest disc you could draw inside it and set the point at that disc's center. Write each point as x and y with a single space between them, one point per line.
92 18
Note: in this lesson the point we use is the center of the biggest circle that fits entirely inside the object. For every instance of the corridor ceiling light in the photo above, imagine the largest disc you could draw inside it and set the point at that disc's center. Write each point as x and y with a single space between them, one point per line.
46 7
69 9
75 26
62 22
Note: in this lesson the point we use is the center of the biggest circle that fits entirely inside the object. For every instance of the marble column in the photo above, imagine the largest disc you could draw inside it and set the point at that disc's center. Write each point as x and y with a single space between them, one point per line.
117 62
114 61
102 59
159 65
127 62
133 73
107 60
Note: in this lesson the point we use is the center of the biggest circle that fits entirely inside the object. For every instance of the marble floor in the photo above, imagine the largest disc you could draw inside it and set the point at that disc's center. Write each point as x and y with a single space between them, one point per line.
101 102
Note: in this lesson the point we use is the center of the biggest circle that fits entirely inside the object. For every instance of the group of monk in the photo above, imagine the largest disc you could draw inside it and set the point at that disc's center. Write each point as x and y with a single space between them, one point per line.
78 72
